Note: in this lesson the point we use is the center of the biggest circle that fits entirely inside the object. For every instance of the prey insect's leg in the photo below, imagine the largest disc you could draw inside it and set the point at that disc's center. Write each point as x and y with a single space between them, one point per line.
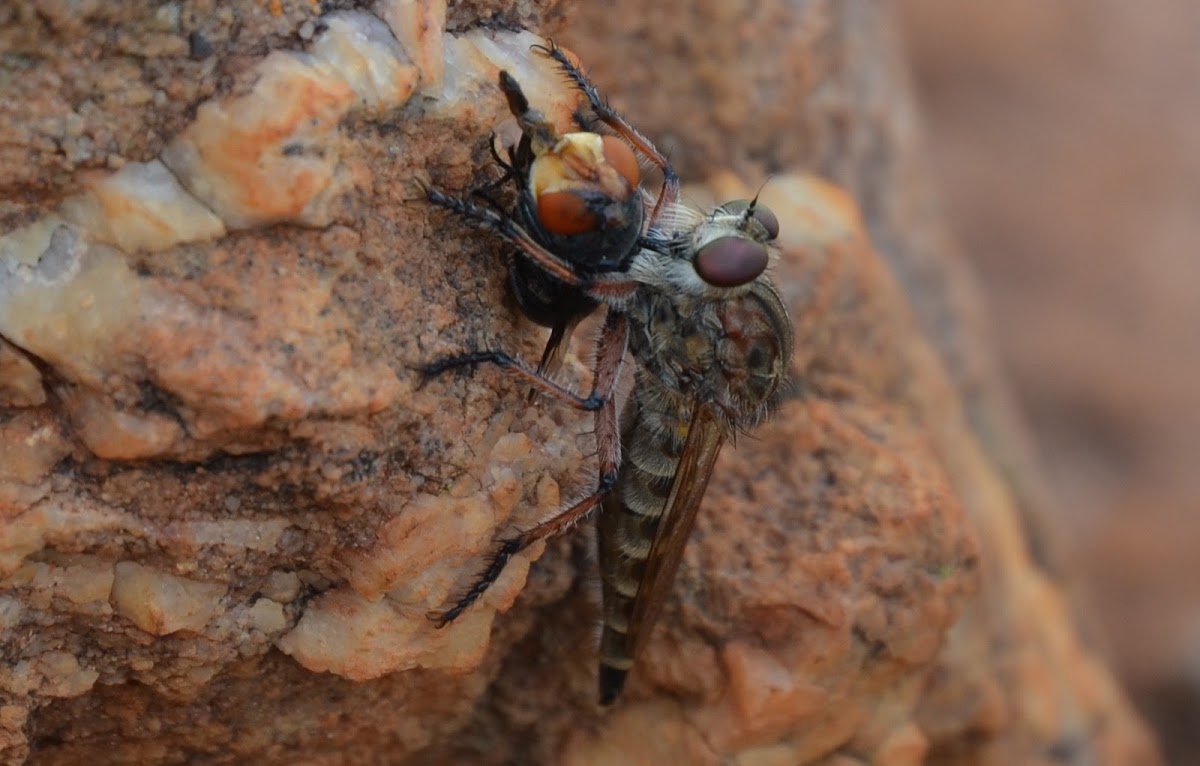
611 118
610 352
509 165
510 230
520 370
508 174
556 349
517 158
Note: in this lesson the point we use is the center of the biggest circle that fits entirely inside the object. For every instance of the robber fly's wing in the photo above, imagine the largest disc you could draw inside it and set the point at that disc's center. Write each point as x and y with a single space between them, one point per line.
705 437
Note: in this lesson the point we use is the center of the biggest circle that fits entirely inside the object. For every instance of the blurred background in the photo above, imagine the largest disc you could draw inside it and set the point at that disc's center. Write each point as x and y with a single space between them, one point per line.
1066 140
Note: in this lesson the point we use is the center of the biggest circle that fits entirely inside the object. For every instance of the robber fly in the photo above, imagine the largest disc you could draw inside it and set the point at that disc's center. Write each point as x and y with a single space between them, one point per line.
687 298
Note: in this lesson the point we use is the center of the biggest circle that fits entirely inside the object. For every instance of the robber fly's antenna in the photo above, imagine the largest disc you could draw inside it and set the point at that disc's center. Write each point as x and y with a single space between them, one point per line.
748 213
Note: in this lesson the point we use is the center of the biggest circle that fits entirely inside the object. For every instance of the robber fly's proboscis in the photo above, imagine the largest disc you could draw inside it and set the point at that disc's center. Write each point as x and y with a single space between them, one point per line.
687 297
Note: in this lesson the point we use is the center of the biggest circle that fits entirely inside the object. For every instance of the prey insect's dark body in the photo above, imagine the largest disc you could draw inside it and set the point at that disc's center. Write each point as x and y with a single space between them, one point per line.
687 299
578 196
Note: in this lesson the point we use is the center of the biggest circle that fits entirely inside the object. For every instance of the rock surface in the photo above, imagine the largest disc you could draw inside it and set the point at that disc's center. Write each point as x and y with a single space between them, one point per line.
1068 140
226 504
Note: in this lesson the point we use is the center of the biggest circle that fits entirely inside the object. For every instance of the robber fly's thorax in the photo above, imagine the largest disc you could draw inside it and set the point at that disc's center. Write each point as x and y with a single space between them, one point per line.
707 323
732 352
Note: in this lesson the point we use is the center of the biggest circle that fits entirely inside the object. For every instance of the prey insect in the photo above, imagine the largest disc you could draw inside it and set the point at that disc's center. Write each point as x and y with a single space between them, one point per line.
578 196
687 298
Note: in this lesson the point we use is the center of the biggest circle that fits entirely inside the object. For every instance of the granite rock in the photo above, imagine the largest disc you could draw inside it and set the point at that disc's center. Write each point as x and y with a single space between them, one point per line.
227 503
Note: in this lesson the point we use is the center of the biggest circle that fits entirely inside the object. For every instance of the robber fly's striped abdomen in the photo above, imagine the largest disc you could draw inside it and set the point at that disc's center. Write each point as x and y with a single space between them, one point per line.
694 360
652 440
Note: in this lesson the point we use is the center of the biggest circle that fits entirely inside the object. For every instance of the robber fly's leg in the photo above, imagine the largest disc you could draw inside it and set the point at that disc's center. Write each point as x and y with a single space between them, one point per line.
512 231
611 118
609 354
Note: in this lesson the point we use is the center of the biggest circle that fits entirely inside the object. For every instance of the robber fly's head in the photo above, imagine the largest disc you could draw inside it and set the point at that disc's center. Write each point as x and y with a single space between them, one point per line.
581 198
708 256
732 245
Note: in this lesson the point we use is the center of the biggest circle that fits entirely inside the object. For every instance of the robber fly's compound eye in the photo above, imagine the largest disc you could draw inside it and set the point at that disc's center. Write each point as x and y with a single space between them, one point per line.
767 218
731 261
762 214
621 157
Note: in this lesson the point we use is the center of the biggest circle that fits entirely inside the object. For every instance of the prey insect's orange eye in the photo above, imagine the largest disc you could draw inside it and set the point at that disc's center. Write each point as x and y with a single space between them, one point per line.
565 213
621 157
731 261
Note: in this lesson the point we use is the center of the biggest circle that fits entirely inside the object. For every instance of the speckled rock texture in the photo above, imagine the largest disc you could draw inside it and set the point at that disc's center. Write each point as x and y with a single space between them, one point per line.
227 503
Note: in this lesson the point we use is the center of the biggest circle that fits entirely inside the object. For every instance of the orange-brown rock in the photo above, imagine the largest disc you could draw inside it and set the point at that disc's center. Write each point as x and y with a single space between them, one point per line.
227 503
1067 139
